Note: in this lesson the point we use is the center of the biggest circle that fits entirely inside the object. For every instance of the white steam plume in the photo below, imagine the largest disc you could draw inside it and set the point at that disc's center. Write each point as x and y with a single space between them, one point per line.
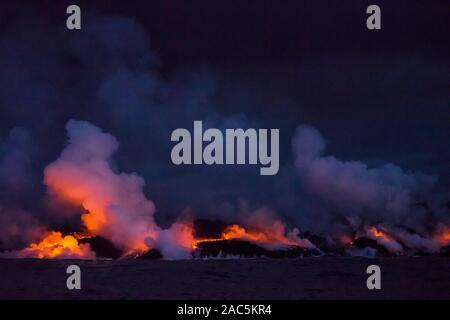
115 204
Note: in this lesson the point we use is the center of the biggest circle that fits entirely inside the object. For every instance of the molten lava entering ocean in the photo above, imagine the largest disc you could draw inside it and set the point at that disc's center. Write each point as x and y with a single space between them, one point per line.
118 216
55 245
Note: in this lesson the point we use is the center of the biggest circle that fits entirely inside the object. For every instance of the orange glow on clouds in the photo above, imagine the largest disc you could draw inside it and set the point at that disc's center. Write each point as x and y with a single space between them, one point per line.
55 245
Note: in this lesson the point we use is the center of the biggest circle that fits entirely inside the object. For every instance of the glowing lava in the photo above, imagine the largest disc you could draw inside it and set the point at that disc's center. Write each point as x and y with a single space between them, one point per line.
346 240
55 245
384 240
272 237
442 236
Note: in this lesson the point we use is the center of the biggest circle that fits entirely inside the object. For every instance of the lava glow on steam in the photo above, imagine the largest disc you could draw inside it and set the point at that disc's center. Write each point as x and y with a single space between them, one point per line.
384 240
55 245
116 209
268 238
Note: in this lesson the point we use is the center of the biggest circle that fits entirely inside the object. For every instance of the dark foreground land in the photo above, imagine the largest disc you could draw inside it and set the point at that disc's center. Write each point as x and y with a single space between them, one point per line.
309 278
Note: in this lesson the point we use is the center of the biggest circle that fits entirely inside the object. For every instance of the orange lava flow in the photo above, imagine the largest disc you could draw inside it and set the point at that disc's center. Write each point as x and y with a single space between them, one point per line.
262 237
237 232
346 240
55 245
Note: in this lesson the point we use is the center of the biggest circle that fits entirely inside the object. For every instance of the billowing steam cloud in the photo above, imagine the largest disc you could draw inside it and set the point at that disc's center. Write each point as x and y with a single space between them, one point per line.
116 207
383 193
17 226
174 243
386 204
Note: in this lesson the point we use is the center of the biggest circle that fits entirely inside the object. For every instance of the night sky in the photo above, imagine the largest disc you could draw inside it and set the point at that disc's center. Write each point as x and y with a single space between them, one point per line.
140 69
